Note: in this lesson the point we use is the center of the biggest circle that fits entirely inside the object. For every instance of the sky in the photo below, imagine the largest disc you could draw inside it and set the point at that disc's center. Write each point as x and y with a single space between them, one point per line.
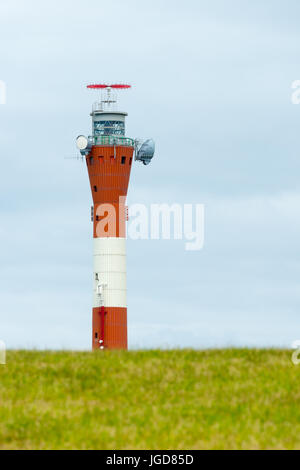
211 84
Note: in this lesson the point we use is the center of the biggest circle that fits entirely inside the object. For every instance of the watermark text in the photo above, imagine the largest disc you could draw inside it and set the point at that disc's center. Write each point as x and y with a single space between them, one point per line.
2 92
156 222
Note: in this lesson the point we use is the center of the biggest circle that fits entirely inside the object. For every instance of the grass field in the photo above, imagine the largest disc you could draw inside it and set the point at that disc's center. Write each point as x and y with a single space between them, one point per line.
181 399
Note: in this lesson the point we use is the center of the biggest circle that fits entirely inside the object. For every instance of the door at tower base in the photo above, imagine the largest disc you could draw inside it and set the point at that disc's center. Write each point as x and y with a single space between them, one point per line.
112 330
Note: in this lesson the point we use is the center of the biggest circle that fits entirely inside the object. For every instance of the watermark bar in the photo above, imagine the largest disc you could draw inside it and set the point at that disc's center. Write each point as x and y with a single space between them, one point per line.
2 352
2 92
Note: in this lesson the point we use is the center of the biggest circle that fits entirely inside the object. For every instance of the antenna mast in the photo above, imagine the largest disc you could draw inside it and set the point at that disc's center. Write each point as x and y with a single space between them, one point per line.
108 99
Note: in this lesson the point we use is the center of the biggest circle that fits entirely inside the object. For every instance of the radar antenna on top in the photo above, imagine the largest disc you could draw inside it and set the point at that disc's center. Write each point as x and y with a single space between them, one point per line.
107 99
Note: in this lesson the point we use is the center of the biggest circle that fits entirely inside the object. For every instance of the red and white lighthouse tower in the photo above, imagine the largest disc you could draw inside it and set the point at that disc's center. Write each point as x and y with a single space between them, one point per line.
109 157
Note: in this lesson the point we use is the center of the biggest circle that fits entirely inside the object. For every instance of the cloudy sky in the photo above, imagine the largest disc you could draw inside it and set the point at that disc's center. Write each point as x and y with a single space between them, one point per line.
212 85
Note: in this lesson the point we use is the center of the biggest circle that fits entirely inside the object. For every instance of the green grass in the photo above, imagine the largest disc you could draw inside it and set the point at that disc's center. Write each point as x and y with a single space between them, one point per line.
182 399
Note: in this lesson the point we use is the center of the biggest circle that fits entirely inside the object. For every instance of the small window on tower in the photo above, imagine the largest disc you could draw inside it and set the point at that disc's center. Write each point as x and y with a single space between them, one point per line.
96 335
130 161
123 160
95 189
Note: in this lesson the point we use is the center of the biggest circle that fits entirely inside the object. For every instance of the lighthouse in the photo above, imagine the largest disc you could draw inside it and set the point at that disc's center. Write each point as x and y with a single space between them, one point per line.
109 156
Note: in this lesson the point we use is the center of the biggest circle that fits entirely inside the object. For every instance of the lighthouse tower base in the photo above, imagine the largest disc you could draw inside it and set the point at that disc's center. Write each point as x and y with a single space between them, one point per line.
111 329
110 308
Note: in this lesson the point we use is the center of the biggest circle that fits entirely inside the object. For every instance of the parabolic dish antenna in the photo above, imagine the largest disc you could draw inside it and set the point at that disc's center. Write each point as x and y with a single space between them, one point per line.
146 152
82 142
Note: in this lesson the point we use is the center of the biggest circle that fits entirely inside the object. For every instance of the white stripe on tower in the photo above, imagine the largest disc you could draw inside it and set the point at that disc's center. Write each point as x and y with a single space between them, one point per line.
110 272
